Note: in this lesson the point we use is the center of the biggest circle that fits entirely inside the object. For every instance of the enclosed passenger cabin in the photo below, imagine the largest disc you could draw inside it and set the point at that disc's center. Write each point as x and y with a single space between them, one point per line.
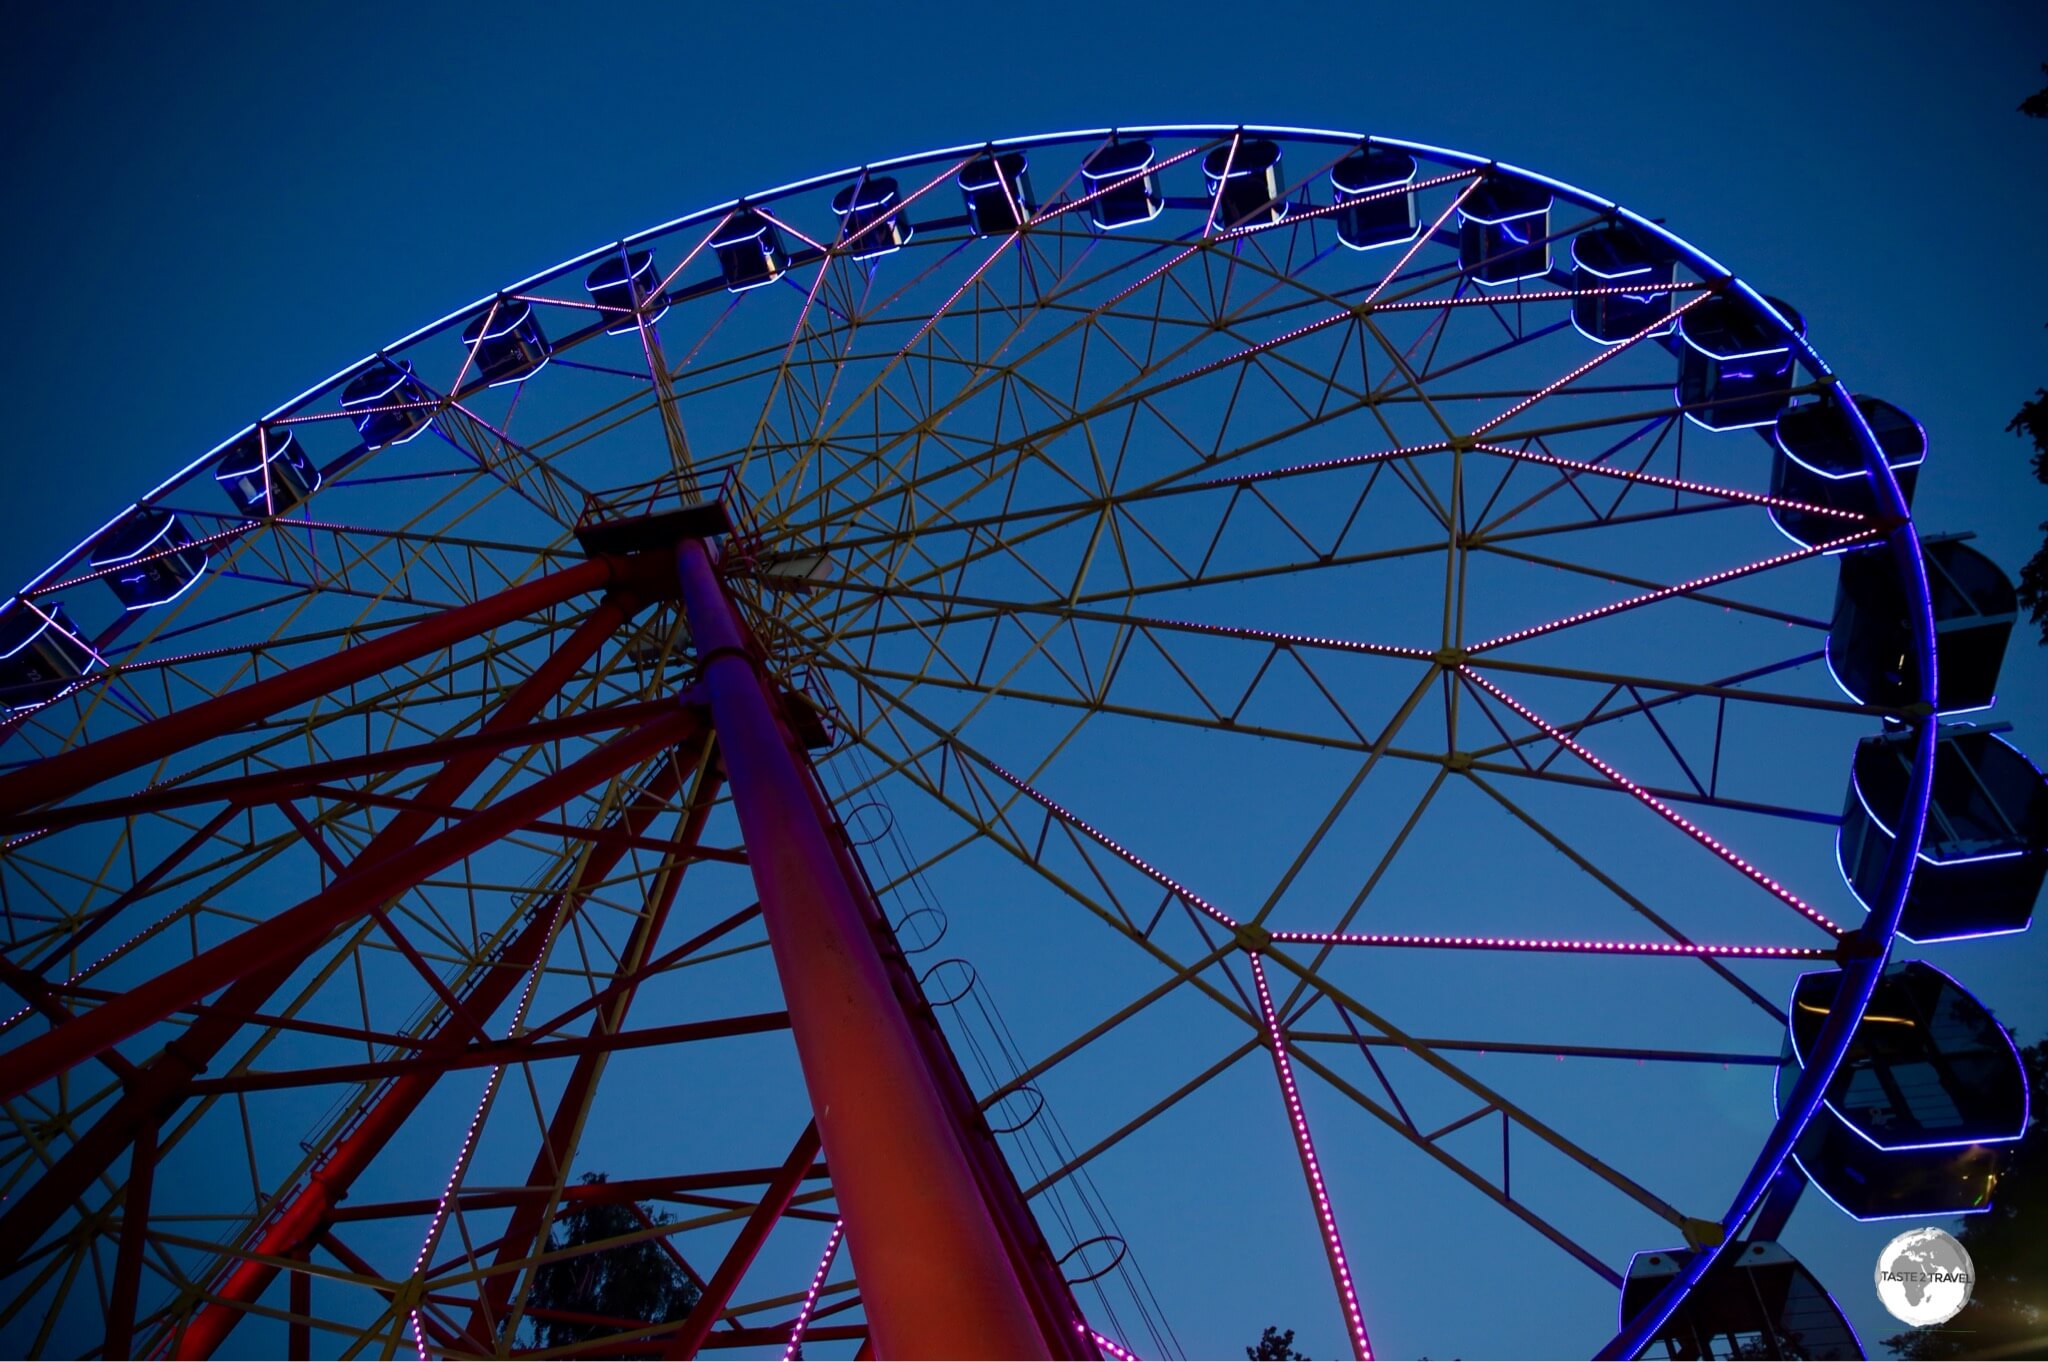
266 472
1870 642
1626 258
1373 213
1984 851
148 558
386 404
749 250
871 218
997 188
506 343
1820 462
42 654
627 286
1125 186
1244 180
1504 232
1757 1301
1735 367
1927 1101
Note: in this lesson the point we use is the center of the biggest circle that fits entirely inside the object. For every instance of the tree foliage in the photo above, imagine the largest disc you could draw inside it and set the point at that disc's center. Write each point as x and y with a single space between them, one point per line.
2032 423
1275 1345
2035 105
630 1283
2008 1311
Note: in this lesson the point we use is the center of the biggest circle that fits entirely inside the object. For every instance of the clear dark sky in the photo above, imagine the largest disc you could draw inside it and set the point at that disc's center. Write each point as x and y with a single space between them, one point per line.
210 208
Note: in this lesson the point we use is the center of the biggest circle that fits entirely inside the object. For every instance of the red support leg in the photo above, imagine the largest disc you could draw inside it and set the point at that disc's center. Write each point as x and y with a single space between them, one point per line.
128 1258
558 1144
283 940
298 1342
696 1326
305 1216
936 1276
67 773
31 1215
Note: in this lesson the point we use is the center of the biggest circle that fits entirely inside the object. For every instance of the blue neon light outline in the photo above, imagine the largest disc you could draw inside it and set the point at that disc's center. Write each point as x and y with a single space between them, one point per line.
116 561
1237 169
189 583
1621 1297
994 161
284 438
1859 976
44 621
1856 788
1778 441
1669 276
1807 1173
1342 190
2026 1093
1901 540
401 370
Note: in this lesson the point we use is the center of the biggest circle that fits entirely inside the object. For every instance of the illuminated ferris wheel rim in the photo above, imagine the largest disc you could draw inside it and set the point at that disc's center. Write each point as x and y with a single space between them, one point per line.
1698 259
1877 934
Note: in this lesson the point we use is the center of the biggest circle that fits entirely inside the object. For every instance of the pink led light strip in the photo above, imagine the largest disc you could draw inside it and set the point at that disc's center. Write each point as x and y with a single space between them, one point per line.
1657 324
1298 214
1326 1218
1671 815
803 1315
1548 295
455 1174
1111 1349
201 542
1250 634
1421 239
1672 484
1666 593
1560 946
1116 848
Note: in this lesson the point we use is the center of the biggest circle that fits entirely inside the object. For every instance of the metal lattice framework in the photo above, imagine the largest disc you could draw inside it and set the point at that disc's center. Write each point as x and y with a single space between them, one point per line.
1243 650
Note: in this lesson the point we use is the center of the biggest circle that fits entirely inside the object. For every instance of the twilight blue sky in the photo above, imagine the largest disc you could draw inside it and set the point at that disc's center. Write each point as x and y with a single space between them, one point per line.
212 207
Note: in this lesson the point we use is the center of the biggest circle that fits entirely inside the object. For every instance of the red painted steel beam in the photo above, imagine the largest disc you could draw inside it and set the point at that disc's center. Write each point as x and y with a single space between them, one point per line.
101 916
298 1344
632 979
128 1257
936 1275
1051 1297
510 1051
597 1193
299 1224
66 773
285 938
261 787
558 1142
148 1097
696 1327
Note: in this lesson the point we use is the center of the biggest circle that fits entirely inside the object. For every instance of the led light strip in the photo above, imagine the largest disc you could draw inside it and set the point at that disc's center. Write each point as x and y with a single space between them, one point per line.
1115 847
1558 945
1326 1218
803 1314
1673 484
1671 815
1681 589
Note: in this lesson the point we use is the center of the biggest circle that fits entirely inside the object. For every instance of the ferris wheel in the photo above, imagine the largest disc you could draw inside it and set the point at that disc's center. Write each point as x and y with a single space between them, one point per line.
997 739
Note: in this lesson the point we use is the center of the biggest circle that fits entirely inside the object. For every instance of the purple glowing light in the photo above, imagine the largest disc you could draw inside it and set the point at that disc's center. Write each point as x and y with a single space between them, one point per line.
1671 815
803 1314
1326 1217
